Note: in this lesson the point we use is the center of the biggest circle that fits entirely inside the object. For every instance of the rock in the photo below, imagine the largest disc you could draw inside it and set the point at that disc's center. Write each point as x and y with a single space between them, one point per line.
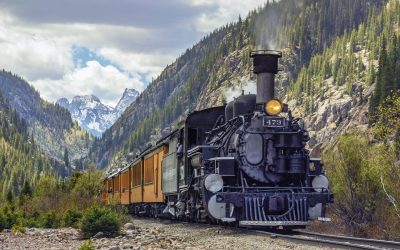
129 226
98 235
114 248
130 233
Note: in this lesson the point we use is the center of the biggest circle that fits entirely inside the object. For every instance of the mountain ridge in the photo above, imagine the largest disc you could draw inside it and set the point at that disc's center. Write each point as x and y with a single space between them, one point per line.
94 116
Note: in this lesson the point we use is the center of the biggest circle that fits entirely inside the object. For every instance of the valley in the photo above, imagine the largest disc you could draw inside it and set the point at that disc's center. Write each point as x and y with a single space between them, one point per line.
340 73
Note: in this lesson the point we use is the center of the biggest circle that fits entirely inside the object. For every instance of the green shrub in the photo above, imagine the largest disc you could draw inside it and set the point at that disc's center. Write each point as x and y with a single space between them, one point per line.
7 217
354 172
2 222
18 229
31 221
87 246
100 219
72 218
48 220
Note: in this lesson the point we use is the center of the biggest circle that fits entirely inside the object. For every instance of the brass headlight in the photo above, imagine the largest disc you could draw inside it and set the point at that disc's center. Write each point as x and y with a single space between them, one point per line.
274 107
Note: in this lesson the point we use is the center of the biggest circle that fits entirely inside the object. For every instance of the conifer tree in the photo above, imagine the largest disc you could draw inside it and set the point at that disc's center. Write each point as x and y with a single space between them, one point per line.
10 196
66 158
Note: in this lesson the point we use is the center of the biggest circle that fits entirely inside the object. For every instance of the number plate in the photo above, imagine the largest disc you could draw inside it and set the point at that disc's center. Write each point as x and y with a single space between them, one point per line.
273 122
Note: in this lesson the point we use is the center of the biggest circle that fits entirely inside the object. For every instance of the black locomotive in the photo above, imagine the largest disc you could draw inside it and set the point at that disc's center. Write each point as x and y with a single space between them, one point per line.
243 163
247 163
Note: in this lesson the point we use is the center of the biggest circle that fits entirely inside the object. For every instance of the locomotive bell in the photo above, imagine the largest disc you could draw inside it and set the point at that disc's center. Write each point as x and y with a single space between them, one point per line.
265 64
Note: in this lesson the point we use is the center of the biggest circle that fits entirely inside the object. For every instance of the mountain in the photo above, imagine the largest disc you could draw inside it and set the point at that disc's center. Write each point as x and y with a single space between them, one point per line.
50 125
94 116
203 75
21 161
128 97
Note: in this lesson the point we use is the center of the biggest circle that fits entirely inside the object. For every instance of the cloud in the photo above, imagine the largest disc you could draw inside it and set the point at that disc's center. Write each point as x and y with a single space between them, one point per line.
223 12
106 82
32 56
133 13
137 38
146 64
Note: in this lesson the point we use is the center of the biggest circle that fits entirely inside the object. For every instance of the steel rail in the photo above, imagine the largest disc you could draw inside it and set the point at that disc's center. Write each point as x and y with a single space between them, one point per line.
310 238
343 242
381 244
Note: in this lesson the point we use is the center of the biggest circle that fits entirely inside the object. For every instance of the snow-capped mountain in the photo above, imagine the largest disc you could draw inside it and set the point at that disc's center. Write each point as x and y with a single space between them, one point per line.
94 116
128 97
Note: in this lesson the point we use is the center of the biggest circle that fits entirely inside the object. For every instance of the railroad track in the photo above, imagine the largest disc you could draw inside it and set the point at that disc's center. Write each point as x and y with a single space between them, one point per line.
336 241
317 239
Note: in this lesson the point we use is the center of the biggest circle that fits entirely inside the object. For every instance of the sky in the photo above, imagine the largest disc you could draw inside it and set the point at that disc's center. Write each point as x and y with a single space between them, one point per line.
66 48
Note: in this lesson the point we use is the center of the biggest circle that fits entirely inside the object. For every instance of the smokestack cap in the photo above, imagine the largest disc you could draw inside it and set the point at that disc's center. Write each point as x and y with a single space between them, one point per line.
265 61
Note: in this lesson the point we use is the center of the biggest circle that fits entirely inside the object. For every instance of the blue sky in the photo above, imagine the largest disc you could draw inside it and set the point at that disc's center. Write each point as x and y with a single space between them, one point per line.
73 47
81 55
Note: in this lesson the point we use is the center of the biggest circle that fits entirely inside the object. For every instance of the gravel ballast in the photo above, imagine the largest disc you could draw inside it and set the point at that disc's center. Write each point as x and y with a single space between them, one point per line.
144 233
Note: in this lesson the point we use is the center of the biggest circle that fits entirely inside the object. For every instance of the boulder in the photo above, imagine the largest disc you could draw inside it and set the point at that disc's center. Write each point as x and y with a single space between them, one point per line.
129 226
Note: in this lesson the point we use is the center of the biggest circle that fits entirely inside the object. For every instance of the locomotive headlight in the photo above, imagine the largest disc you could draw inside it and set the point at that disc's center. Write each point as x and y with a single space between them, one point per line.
320 183
213 183
274 107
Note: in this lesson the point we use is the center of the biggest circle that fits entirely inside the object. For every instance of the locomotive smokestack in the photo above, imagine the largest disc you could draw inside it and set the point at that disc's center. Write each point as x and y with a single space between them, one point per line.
265 64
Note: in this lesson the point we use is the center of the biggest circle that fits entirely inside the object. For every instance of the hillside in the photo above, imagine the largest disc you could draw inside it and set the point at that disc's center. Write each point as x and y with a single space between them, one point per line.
50 125
340 87
20 159
219 64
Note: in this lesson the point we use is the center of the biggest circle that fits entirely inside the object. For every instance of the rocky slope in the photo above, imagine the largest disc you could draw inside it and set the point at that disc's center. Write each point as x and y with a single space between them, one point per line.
94 116
51 125
20 159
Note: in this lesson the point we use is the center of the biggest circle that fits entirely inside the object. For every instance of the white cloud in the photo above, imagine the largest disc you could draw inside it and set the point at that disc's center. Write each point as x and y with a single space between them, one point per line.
145 63
224 11
105 82
140 37
32 56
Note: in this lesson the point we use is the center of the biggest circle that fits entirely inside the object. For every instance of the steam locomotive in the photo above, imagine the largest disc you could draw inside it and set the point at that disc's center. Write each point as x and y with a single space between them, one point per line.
243 163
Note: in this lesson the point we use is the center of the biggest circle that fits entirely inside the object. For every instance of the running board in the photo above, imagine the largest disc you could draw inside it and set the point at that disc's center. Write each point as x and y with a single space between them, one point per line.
273 223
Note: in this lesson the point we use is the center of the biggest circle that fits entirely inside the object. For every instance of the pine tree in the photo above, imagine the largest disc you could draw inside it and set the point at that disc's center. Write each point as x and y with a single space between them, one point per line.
10 196
26 189
66 158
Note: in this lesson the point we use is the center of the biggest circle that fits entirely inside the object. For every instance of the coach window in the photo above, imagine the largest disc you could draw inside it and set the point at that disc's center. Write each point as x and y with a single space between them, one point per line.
137 175
149 170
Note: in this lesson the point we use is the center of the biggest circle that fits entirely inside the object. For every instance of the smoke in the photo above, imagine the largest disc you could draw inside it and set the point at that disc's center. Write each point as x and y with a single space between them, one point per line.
245 85
266 29
268 26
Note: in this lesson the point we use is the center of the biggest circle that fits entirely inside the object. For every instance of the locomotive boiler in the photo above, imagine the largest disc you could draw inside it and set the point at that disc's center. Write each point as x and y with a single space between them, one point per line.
243 163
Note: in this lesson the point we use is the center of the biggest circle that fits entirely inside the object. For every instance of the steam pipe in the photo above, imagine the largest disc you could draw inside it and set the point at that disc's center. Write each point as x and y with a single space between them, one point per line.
265 64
